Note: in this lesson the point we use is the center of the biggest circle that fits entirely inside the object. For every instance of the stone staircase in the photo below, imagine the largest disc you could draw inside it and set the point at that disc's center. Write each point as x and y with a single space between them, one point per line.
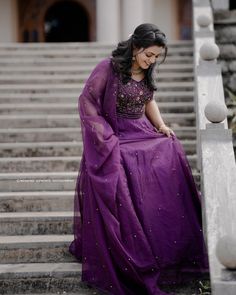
40 150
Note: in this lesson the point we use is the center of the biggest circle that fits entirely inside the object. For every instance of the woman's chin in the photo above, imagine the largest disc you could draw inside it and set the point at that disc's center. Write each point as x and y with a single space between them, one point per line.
145 66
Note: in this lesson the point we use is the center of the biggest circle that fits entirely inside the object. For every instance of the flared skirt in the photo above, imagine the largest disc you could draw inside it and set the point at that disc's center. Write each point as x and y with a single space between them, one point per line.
152 235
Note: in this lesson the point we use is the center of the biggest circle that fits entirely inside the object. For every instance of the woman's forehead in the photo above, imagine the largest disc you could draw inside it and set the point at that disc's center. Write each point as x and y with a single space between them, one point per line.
154 49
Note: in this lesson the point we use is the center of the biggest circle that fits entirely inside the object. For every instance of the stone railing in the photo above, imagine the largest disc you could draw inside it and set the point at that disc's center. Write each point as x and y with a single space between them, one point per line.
216 159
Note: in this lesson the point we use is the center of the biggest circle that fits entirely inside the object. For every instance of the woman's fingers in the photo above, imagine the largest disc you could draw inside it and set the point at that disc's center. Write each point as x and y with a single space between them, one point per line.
172 132
169 132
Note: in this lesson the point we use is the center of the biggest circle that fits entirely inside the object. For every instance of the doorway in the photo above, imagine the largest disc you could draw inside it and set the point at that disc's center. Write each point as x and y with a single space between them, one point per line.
232 5
66 21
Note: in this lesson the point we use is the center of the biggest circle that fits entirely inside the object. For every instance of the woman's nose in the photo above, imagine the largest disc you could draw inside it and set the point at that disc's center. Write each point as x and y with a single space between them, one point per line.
152 59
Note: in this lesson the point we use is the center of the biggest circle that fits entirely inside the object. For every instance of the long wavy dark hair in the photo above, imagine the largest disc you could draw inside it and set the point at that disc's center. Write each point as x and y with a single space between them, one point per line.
144 36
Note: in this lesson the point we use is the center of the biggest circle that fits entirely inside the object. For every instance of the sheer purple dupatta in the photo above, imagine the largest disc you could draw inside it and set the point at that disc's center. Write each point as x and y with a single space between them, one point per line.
101 157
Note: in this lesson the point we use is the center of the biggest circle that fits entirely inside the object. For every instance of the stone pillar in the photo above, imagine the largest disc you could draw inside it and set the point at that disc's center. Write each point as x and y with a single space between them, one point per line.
219 4
108 20
8 21
132 12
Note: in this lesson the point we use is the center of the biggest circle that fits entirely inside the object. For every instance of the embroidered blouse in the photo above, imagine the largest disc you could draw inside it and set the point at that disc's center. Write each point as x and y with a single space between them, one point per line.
131 98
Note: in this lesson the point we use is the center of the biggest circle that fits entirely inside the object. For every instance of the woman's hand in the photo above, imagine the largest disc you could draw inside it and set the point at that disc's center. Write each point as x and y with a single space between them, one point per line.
166 130
153 113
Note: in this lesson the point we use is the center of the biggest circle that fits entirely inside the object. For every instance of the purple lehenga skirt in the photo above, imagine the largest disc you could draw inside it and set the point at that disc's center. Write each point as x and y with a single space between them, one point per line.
151 234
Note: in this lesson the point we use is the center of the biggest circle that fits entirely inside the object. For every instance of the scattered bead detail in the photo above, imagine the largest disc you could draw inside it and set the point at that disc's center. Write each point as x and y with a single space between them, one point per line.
131 98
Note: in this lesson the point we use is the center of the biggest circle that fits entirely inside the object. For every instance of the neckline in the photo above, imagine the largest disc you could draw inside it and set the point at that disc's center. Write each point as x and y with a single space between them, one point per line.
137 80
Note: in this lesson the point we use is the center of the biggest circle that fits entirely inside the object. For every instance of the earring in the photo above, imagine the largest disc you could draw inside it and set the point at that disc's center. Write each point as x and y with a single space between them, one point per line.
133 58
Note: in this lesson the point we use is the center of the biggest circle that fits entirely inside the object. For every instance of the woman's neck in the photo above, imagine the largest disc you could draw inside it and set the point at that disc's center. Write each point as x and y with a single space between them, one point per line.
136 71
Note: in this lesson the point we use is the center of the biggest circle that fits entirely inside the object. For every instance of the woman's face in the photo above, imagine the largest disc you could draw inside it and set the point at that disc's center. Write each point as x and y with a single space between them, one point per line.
144 57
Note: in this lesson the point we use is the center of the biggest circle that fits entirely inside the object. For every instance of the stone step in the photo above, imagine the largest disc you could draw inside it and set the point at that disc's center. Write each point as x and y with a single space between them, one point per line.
72 120
40 164
30 179
35 201
88 67
64 278
59 278
75 45
59 149
47 134
70 108
82 52
160 96
35 249
79 68
41 62
44 134
68 134
80 78
43 149
36 223
81 292
77 87
36 181
54 163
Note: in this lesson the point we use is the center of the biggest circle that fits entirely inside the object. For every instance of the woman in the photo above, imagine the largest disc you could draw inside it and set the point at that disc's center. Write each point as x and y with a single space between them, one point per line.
137 210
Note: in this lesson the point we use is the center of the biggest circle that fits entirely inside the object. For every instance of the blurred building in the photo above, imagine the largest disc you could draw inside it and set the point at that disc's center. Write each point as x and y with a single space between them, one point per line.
90 20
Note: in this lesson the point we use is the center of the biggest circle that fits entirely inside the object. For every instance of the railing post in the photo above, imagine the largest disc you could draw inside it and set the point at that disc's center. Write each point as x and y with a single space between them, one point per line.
219 190
209 87
202 32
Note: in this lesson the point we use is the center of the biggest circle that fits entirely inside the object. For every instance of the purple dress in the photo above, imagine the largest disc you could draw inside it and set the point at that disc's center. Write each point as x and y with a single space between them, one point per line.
137 218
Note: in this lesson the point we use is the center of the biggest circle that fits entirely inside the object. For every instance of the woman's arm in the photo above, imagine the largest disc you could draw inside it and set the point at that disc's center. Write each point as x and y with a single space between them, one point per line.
153 113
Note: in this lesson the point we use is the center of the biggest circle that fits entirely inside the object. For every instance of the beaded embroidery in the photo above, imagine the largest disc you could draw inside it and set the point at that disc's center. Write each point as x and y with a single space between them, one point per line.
131 98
